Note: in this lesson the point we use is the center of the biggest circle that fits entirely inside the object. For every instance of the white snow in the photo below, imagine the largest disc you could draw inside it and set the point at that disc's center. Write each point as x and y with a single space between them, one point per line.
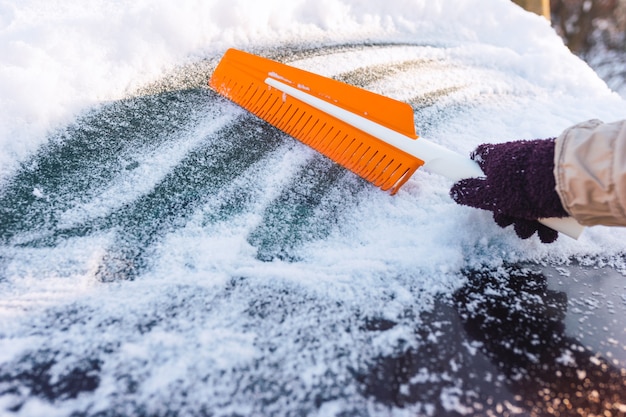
385 256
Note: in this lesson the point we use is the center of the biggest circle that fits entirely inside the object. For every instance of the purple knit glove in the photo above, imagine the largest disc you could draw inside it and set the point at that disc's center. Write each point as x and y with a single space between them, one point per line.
519 186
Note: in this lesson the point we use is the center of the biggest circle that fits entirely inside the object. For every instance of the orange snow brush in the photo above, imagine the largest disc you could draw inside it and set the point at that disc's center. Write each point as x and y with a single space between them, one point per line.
369 134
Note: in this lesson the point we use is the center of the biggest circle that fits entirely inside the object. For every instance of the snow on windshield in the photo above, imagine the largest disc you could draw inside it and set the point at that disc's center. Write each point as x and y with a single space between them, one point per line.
170 251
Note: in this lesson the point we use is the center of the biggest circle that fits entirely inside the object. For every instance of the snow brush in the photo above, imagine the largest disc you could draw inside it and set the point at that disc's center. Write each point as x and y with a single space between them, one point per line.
367 133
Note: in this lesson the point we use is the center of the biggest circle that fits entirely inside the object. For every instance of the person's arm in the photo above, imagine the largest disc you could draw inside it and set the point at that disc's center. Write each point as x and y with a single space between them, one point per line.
590 172
581 174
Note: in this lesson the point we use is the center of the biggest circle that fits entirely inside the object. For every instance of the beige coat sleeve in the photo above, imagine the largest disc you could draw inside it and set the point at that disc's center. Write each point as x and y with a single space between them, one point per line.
590 172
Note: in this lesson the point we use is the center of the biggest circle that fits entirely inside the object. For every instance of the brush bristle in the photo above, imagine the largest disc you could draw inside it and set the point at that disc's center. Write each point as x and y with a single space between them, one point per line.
241 79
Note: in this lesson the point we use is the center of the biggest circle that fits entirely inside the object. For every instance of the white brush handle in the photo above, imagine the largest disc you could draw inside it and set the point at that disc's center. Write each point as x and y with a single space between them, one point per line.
437 159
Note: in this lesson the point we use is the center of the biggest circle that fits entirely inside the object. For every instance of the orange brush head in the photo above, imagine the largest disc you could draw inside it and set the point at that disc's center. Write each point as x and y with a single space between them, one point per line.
241 77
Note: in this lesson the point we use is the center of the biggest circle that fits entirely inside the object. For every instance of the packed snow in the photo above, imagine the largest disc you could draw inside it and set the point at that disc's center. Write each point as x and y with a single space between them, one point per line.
163 250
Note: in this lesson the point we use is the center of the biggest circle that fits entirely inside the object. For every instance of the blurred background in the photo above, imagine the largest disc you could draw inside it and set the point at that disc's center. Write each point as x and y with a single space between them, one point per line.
595 30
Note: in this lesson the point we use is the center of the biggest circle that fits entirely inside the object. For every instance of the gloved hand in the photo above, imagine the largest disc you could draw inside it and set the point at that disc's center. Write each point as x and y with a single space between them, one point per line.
518 187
